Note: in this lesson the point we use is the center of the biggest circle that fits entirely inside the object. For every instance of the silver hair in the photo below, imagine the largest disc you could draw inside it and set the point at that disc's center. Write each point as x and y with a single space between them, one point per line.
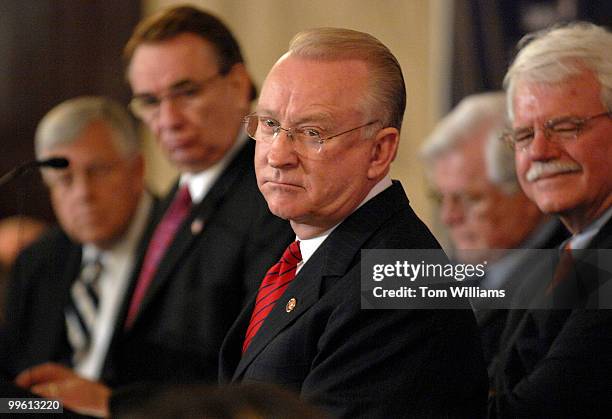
483 111
63 124
560 52
386 97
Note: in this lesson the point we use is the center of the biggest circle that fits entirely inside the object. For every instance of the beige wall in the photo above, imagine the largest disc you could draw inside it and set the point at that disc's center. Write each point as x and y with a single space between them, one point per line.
414 30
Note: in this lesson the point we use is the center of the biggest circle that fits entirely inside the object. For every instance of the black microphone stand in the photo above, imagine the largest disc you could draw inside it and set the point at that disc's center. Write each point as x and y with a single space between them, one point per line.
56 162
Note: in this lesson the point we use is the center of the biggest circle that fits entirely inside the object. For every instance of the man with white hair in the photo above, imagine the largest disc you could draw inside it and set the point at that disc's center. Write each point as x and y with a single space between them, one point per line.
67 289
557 363
482 205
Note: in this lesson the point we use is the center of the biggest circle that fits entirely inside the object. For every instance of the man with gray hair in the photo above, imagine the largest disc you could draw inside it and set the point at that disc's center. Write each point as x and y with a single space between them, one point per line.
216 236
482 205
67 289
557 363
326 129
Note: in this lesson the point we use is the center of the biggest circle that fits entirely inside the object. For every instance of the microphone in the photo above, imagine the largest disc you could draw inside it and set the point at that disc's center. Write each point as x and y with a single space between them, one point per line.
54 162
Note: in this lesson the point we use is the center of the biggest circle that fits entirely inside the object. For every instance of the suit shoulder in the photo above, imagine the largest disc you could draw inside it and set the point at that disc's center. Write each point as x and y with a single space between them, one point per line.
54 240
404 230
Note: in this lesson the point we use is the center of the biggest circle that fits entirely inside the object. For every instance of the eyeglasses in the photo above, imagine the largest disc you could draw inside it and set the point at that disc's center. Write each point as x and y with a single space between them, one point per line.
558 130
184 93
306 141
467 201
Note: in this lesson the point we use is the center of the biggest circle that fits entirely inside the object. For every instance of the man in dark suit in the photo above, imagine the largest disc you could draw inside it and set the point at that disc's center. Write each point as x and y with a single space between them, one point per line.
557 363
103 212
326 130
484 208
191 88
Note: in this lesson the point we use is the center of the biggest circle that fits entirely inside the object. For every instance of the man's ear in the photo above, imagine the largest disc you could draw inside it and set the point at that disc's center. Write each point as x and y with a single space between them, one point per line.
383 152
240 82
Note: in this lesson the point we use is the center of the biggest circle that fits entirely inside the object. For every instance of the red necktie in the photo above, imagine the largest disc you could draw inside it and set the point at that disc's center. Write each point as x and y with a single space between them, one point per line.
563 268
164 233
272 288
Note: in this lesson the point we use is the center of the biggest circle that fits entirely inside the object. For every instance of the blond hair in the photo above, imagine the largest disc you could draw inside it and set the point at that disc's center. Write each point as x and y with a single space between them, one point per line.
386 98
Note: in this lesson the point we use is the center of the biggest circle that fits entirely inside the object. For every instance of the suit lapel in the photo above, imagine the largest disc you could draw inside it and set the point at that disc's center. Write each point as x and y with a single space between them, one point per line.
195 224
338 253
305 288
155 214
603 239
518 323
67 273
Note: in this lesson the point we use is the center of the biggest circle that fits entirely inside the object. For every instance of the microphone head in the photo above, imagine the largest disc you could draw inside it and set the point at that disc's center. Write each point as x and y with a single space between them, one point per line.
55 162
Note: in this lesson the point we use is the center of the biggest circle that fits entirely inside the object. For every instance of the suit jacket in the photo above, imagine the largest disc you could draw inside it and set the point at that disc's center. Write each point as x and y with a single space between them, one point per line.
363 363
39 290
529 267
216 260
558 363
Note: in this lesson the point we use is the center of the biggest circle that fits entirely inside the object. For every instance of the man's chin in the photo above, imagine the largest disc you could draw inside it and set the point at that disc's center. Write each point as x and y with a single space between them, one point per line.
189 162
554 205
283 209
473 255
97 238
280 212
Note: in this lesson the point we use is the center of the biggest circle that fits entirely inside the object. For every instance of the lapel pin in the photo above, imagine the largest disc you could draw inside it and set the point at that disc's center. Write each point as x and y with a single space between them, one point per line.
290 305
197 226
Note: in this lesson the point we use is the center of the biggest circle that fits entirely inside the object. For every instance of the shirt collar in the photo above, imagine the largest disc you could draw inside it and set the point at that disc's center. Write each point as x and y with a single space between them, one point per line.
309 246
582 239
201 182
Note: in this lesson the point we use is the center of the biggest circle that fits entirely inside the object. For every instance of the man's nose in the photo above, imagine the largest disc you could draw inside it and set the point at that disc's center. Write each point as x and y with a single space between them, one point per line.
451 212
82 186
170 115
541 147
281 152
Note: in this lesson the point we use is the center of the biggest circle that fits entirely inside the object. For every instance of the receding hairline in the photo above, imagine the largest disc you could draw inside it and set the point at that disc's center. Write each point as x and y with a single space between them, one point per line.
65 122
385 98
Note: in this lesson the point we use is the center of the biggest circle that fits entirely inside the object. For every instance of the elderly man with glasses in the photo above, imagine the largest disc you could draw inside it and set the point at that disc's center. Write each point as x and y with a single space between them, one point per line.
557 363
326 129
487 215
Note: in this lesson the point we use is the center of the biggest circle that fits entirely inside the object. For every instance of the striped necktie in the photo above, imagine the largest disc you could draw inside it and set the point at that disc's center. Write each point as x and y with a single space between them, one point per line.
272 288
82 310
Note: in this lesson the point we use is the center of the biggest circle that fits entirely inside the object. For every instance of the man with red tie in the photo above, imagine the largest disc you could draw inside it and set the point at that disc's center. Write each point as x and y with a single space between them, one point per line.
557 363
326 129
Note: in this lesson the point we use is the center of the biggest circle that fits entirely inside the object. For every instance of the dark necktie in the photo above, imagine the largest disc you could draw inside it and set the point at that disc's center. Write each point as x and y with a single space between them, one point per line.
272 288
563 269
82 310
162 237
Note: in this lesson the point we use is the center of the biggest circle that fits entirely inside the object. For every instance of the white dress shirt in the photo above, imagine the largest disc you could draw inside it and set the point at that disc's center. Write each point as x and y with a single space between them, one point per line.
117 265
309 246
582 239
201 182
